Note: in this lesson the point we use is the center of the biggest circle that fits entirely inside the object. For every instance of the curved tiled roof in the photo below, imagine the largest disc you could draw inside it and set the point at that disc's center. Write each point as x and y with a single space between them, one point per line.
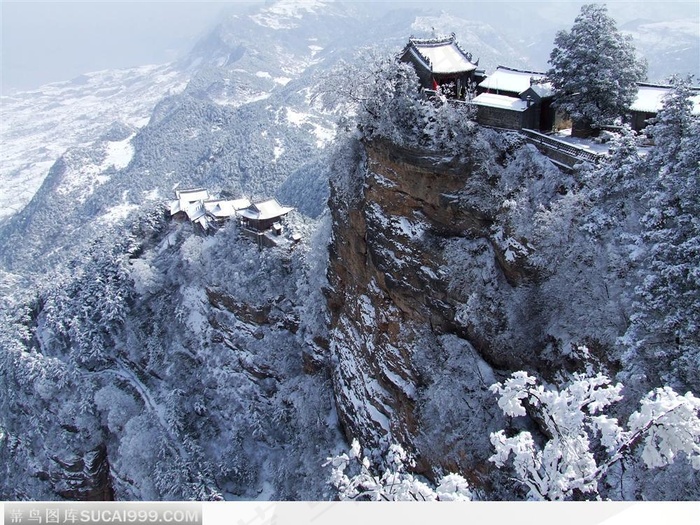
441 55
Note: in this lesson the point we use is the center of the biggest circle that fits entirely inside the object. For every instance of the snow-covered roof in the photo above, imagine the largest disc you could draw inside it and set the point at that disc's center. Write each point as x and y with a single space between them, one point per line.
200 209
203 221
500 101
544 90
174 207
515 81
239 204
650 99
225 208
265 210
441 56
196 211
219 208
192 195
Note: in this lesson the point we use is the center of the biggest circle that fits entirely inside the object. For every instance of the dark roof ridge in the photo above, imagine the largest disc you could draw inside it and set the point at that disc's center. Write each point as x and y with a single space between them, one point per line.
516 70
664 86
435 41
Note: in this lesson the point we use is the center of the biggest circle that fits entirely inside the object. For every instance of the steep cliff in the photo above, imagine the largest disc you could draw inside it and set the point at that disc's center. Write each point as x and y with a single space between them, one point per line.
424 283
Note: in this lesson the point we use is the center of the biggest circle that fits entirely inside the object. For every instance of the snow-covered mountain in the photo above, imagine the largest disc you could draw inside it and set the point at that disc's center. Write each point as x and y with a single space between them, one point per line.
141 360
671 46
236 115
38 126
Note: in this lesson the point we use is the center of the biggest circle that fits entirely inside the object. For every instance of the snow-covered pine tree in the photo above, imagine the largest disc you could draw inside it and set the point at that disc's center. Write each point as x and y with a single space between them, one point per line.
383 97
665 333
594 70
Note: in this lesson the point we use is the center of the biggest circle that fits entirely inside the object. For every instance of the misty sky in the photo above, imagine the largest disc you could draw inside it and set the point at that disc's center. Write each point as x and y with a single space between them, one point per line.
49 41
57 40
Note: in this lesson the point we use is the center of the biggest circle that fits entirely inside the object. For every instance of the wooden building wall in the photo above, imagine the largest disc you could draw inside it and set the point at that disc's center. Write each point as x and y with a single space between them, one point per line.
506 118
638 120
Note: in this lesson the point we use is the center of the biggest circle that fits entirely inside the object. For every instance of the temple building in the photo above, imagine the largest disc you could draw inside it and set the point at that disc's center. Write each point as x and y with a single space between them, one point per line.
649 100
515 99
207 214
441 63
263 216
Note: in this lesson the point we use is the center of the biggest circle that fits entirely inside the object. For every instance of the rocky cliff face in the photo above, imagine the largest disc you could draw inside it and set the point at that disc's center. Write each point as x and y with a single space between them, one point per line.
420 277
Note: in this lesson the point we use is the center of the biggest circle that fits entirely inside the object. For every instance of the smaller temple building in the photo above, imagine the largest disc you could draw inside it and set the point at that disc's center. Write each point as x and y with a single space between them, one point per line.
441 63
648 102
197 206
515 99
265 215
263 221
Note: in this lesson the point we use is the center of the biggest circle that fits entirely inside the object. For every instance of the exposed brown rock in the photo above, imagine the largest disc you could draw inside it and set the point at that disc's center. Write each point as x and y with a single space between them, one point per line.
389 286
83 478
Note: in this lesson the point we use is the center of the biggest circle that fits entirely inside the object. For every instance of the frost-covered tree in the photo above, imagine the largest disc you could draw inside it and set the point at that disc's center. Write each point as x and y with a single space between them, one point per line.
594 70
394 484
666 317
381 96
581 441
366 89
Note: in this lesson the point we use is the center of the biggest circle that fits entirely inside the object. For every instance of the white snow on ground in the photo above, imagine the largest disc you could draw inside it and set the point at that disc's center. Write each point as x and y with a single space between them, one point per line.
82 177
153 195
119 154
193 299
118 213
383 181
429 272
296 117
38 126
241 99
409 229
278 150
263 74
406 386
512 248
367 312
372 391
282 81
282 14
323 134
586 144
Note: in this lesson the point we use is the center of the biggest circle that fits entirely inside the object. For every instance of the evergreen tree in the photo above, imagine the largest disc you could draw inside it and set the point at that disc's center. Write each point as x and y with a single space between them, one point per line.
594 70
666 320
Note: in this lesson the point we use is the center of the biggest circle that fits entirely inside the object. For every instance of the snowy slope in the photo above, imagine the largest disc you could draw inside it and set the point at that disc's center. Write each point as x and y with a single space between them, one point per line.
671 46
37 127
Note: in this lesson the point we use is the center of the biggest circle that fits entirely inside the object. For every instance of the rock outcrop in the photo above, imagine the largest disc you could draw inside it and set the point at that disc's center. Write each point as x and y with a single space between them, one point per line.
405 355
83 478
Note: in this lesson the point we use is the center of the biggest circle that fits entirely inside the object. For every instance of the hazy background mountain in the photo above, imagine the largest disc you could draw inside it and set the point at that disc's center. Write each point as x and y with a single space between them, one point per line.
54 41
57 41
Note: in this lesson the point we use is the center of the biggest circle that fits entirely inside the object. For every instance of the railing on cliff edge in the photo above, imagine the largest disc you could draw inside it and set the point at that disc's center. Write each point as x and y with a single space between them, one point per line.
539 139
